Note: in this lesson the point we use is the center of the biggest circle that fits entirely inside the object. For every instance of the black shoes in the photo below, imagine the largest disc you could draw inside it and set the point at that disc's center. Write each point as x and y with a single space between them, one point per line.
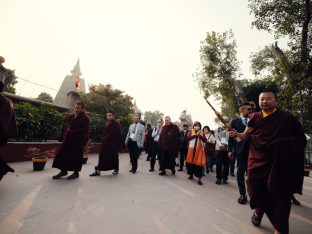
233 174
242 199
173 171
115 172
73 176
218 182
199 182
151 169
59 175
180 169
96 173
225 182
162 173
190 177
256 220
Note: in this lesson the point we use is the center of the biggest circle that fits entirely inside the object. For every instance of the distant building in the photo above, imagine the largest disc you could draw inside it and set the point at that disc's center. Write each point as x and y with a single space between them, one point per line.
71 83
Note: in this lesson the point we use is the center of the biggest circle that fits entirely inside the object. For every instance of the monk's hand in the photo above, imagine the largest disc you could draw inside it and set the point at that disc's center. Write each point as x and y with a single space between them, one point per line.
233 133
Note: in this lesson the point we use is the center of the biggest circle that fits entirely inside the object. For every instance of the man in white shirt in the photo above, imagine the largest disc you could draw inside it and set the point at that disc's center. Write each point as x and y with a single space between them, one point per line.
134 142
155 151
222 158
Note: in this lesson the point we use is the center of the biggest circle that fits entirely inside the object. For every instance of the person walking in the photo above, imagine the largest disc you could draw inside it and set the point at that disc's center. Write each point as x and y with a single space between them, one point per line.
275 161
169 146
210 147
155 149
135 142
70 155
222 158
196 159
111 145
240 149
183 146
8 126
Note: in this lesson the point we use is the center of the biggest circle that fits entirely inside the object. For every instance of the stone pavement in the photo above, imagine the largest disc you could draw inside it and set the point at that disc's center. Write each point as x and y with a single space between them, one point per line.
31 202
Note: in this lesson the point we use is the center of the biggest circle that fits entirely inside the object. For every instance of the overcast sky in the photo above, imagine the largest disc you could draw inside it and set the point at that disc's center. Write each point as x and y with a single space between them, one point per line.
147 48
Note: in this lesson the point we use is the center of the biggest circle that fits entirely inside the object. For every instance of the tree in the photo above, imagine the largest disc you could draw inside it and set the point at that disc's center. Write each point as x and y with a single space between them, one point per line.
102 98
151 117
45 97
220 70
10 81
292 67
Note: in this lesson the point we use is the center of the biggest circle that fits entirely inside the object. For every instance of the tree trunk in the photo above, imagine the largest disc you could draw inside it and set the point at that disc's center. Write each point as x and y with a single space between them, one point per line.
239 93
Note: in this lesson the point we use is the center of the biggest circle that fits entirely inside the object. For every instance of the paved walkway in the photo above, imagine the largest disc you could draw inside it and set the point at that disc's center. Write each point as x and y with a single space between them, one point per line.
31 202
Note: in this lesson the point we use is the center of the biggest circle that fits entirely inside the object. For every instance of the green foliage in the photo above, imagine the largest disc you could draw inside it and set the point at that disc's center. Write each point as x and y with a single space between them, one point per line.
27 121
10 81
219 65
151 117
291 69
37 123
45 97
283 18
125 122
218 60
96 126
50 122
102 98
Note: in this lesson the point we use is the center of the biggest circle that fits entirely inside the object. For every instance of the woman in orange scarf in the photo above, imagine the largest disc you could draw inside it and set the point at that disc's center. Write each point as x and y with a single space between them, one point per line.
196 159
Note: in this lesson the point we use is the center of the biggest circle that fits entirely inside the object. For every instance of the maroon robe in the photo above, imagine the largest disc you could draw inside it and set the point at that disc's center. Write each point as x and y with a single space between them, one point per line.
112 143
7 129
275 164
169 146
70 155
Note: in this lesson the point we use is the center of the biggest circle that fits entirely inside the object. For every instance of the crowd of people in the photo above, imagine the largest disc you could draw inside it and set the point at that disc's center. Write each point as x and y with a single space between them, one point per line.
266 146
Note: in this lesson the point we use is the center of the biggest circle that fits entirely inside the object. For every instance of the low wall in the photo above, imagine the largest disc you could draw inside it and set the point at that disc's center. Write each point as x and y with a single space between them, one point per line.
15 151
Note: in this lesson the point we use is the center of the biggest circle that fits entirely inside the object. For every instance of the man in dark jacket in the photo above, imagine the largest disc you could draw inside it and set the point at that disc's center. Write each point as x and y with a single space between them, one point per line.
183 146
240 149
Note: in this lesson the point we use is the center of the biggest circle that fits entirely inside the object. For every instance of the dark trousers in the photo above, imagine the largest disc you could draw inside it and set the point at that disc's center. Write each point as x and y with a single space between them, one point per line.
241 170
153 155
183 154
232 165
222 165
134 152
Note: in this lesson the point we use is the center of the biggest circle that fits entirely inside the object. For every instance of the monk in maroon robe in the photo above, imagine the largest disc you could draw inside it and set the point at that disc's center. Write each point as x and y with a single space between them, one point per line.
70 155
7 121
275 162
111 145
169 146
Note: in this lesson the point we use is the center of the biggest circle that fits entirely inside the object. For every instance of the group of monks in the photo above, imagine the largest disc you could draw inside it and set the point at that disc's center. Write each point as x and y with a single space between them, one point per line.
275 158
